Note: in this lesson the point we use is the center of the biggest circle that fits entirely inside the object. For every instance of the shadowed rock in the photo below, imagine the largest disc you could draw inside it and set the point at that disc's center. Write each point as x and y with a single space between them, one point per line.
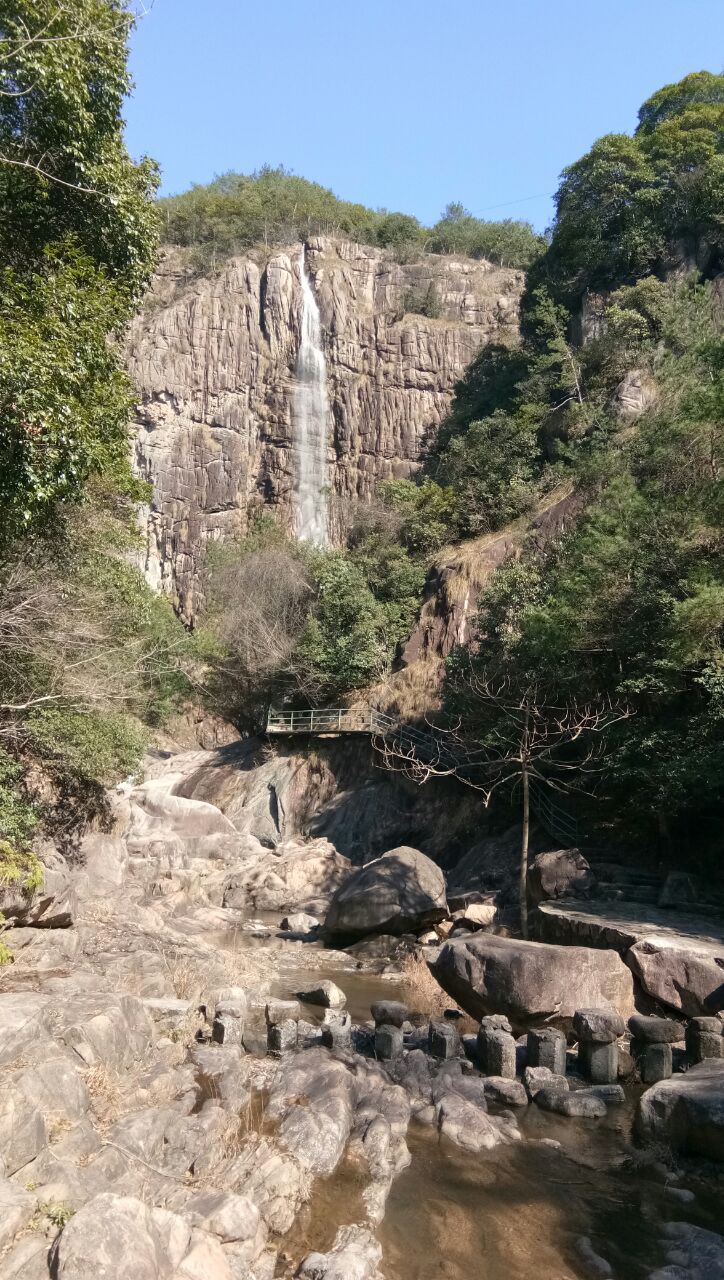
687 1111
403 890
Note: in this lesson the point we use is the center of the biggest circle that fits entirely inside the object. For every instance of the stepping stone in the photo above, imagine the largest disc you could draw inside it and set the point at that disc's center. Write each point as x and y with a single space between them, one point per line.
655 1030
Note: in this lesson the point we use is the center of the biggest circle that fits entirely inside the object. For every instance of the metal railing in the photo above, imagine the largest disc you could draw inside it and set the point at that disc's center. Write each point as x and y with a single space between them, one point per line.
427 745
557 821
322 720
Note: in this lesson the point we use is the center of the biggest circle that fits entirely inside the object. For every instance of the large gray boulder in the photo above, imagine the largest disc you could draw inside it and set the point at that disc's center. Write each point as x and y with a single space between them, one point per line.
119 1238
687 1111
529 981
562 873
354 1255
297 875
687 979
400 892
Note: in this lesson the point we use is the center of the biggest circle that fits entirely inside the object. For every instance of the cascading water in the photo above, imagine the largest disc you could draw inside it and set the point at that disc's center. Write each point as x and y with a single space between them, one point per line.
311 419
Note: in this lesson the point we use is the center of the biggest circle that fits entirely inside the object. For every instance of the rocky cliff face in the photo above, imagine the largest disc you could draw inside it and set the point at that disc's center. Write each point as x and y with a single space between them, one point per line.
213 361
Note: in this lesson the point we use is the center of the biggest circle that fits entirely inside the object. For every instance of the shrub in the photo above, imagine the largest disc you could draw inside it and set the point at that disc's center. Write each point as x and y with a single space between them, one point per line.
18 818
97 746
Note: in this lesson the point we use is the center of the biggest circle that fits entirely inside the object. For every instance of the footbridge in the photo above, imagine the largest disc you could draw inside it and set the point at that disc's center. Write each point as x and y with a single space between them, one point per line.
424 746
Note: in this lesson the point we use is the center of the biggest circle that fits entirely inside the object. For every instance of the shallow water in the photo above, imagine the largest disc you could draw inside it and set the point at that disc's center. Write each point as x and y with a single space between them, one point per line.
360 988
516 1213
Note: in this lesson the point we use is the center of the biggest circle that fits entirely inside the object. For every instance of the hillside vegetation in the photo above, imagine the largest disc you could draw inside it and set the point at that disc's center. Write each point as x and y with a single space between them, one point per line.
90 659
626 611
272 207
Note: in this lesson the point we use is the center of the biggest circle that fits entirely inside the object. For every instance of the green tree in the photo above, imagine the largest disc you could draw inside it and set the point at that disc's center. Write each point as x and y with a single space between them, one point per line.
344 645
491 470
399 231
64 169
78 236
699 88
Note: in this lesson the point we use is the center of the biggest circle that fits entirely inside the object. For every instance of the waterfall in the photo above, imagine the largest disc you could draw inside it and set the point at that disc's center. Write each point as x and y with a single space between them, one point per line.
311 418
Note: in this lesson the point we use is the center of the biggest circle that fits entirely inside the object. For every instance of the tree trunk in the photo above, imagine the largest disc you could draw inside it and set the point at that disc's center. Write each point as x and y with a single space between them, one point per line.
524 857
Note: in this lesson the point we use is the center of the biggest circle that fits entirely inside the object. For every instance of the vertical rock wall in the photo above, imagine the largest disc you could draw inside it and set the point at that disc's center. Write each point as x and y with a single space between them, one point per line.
213 362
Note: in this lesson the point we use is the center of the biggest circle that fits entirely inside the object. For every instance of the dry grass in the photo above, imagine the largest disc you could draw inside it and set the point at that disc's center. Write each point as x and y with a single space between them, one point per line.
412 692
106 1093
184 974
422 992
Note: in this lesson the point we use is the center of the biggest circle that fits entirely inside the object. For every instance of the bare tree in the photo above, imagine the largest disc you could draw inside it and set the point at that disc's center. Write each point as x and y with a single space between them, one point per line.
529 739
258 607
59 647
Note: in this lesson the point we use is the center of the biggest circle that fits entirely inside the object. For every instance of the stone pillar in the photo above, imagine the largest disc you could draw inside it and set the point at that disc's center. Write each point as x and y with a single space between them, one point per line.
229 1015
651 1043
337 1030
705 1039
444 1041
496 1047
388 1041
598 1031
547 1048
653 1061
282 1029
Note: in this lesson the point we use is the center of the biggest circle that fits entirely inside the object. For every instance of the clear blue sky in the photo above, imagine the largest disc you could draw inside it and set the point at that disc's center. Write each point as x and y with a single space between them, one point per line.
406 104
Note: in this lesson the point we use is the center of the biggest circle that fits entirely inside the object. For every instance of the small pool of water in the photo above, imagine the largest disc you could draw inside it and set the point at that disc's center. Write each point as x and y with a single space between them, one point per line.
360 988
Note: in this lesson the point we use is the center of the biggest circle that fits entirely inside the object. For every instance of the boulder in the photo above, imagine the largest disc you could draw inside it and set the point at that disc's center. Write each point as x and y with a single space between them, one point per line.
468 1125
692 1253
17 1207
120 1238
278 1011
687 980
52 906
295 876
563 873
686 1111
531 981
476 915
300 922
401 891
391 1012
580 1105
326 993
537 1078
504 1092
232 1218
354 1255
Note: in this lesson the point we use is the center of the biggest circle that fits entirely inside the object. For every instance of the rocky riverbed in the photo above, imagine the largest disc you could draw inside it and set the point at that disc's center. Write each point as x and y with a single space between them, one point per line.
200 1084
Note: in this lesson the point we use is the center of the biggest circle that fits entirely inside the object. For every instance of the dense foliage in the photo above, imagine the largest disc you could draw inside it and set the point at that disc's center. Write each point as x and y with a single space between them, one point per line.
288 620
77 241
273 206
644 204
89 658
628 608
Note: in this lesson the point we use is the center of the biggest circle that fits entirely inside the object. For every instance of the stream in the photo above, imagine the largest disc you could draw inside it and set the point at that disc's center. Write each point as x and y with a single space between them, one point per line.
528 1211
